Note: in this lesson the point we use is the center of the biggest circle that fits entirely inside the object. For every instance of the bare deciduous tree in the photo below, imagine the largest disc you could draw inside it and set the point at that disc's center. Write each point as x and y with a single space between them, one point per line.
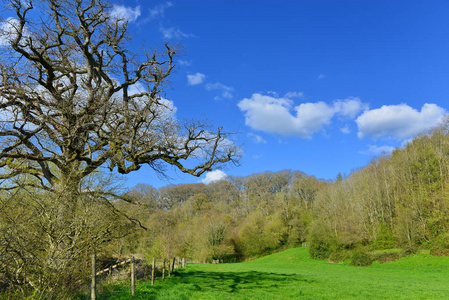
73 98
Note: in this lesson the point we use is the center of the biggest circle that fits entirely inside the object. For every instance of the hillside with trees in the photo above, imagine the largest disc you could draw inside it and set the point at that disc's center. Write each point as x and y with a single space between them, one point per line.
396 205
397 201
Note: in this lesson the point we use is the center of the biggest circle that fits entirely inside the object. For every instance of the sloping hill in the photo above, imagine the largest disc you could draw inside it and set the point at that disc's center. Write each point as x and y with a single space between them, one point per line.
292 275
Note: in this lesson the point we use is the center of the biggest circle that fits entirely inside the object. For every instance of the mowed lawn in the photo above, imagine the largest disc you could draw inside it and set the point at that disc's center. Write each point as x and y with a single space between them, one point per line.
293 275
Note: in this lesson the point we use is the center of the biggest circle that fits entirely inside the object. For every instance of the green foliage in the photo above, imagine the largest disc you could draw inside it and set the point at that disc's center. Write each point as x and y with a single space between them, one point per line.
385 238
361 258
261 234
340 255
387 255
321 243
409 249
440 245
396 201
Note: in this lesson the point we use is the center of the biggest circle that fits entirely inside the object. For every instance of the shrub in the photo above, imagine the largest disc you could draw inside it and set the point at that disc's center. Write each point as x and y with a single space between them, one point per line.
260 234
384 239
440 245
361 258
339 256
321 246
386 255
409 249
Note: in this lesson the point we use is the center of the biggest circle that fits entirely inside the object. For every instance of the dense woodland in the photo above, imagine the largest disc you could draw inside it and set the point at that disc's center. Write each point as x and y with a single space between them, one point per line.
397 201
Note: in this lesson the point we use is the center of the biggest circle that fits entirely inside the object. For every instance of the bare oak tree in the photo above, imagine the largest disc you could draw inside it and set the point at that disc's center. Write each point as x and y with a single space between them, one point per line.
73 98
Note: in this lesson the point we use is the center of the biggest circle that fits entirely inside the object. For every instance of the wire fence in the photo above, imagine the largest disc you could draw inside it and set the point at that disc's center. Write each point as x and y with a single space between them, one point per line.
90 272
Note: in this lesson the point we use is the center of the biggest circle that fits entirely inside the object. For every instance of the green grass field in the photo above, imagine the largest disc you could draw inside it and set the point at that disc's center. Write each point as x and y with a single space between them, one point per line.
293 275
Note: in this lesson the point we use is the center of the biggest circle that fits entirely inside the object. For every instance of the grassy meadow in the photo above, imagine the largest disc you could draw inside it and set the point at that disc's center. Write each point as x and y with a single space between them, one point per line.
291 274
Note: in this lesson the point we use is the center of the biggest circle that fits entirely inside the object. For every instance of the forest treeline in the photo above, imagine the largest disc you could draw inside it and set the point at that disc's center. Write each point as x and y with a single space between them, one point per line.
397 201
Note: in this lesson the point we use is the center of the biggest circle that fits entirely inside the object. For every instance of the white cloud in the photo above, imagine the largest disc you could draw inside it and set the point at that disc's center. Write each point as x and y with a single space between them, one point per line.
184 62
349 107
399 121
345 130
8 31
294 95
171 33
321 76
279 115
257 138
226 91
214 176
406 142
159 10
196 78
125 13
378 150
166 109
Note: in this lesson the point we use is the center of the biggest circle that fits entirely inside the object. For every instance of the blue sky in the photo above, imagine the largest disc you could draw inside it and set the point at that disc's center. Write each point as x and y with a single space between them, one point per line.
317 86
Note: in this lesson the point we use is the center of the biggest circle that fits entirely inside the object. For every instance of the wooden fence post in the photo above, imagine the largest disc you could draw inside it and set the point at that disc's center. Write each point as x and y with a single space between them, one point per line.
169 267
152 271
173 265
133 276
93 287
163 270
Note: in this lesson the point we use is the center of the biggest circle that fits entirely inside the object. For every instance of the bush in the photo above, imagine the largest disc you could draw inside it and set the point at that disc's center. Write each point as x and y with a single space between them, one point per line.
321 246
385 238
386 255
440 245
260 235
361 258
409 249
340 255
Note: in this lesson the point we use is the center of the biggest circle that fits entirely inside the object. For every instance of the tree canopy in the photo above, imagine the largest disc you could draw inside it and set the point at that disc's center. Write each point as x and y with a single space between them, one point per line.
74 98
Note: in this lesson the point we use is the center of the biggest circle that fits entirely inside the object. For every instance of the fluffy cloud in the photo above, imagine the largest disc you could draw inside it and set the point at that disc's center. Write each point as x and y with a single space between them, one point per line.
171 33
257 138
398 121
378 150
279 115
8 31
345 130
349 107
294 95
125 13
214 176
159 10
226 91
167 109
184 62
196 78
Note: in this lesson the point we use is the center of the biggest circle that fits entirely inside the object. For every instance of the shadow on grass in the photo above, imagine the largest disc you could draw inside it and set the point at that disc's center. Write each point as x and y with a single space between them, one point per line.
188 284
235 282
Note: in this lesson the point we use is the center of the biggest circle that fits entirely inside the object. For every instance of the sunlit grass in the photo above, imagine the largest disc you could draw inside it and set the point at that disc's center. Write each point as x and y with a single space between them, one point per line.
292 275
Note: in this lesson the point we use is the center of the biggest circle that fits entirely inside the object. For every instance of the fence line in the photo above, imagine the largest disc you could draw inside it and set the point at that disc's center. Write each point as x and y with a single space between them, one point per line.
114 266
61 258
171 266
